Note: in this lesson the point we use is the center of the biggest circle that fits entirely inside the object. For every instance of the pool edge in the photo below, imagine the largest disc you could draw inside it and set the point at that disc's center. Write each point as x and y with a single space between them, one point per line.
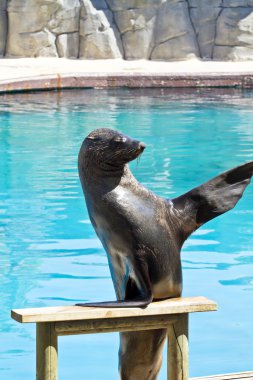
129 80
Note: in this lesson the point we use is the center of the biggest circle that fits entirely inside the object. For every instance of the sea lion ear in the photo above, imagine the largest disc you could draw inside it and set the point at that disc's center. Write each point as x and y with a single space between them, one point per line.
91 137
214 197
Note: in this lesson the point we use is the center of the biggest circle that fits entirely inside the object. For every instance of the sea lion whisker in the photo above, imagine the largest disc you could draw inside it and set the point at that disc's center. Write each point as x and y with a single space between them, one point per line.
139 159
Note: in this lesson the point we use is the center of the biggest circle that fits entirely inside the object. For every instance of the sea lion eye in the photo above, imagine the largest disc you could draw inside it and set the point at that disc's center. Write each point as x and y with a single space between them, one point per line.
120 139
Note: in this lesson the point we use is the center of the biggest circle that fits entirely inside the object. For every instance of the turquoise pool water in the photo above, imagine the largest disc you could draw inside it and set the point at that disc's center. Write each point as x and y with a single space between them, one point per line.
49 253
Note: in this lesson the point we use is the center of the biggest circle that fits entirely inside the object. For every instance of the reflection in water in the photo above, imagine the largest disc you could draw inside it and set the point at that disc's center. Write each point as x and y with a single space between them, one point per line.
50 254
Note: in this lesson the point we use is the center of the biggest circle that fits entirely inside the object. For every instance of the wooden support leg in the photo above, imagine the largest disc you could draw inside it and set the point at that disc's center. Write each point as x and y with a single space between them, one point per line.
46 352
178 349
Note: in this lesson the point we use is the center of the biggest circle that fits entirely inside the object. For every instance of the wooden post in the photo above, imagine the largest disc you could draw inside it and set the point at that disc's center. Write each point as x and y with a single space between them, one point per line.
46 352
178 349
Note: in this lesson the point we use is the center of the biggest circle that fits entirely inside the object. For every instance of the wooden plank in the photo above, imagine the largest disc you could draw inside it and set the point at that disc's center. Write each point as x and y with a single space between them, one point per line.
229 376
178 367
115 324
68 313
46 352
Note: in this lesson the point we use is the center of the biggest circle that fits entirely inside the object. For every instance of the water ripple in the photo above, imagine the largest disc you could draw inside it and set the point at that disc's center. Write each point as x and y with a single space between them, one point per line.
49 252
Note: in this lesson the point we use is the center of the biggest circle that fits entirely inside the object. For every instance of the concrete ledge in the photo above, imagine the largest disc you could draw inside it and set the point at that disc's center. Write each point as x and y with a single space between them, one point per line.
57 74
130 80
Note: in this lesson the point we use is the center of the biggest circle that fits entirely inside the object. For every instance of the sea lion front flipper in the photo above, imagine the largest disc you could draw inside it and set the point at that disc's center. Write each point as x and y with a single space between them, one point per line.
213 198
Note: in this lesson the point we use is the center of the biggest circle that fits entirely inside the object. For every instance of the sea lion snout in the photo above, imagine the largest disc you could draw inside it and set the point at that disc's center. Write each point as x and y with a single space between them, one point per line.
142 146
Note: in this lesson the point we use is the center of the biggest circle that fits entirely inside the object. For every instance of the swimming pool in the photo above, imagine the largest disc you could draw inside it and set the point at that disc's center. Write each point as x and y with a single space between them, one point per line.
49 253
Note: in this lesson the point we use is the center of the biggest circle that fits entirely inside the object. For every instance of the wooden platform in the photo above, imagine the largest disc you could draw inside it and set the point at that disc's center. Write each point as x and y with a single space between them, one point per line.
73 313
229 376
172 314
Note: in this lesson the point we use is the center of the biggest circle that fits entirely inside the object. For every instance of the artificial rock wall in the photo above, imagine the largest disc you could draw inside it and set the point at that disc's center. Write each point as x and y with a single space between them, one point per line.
128 29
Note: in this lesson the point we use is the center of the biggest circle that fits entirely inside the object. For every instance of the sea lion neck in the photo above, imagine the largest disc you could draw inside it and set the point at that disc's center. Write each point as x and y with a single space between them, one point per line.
103 178
91 168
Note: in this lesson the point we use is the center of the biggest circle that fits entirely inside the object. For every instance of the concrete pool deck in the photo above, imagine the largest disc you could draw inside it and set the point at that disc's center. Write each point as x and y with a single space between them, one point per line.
26 74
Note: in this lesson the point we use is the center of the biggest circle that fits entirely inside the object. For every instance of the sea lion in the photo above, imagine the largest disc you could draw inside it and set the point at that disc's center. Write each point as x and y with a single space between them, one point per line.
143 233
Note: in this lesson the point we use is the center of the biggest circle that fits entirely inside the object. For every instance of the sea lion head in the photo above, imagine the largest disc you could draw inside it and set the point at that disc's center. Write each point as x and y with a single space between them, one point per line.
109 149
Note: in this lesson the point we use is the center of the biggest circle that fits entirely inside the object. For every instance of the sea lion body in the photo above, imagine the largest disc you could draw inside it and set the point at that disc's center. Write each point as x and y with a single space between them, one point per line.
128 220
143 234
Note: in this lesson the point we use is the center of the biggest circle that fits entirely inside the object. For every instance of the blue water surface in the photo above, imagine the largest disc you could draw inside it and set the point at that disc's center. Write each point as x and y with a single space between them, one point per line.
49 253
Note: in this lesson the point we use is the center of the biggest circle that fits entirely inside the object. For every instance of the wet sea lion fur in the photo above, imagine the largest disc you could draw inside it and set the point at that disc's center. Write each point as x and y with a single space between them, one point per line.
141 232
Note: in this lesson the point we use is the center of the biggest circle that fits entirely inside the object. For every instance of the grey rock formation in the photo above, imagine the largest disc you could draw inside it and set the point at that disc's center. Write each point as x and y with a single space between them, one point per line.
204 14
234 38
175 37
129 29
237 3
121 5
3 26
35 25
136 27
67 45
98 37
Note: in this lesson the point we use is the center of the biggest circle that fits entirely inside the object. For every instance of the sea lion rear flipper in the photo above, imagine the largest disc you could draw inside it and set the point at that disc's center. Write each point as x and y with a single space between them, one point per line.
213 198
137 291
117 304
